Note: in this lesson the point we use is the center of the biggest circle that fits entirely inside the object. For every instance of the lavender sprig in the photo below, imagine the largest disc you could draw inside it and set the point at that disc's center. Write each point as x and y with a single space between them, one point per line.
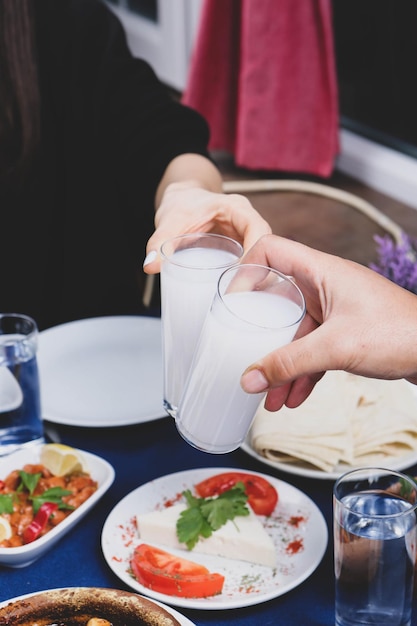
397 261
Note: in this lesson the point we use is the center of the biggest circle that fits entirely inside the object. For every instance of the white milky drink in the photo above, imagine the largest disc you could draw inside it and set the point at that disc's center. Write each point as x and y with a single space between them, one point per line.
188 283
215 413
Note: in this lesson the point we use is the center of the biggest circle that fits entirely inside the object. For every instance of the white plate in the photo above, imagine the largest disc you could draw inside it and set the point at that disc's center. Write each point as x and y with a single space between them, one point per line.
397 463
245 584
184 621
298 469
104 371
99 469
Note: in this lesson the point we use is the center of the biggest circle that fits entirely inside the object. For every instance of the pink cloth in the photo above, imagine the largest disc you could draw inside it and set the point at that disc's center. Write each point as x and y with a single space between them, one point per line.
263 75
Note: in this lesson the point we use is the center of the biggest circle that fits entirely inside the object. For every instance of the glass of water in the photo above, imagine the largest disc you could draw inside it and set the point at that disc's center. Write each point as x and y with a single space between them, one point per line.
20 410
375 537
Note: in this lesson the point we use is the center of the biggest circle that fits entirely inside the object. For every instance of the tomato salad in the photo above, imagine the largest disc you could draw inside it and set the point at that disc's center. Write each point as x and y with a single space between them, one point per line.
166 573
262 496
163 572
33 501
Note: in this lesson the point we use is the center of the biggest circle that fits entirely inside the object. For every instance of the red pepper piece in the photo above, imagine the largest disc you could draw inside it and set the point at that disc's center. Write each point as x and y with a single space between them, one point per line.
39 522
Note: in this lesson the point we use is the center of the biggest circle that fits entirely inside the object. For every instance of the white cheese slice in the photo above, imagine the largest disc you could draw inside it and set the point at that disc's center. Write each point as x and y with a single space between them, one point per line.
243 538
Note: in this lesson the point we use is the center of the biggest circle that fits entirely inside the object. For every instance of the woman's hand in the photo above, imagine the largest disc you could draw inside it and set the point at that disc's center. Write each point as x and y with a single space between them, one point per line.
190 200
356 321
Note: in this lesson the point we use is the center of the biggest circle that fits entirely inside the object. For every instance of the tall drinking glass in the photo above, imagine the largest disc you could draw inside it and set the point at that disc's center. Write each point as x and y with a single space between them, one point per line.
255 310
20 411
191 266
375 537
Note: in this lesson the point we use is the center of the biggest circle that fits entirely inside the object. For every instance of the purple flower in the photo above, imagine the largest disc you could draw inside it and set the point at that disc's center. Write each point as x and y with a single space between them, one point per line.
397 261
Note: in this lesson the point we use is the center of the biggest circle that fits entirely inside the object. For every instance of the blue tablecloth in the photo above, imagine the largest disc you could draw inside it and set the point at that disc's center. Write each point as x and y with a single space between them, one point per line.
139 454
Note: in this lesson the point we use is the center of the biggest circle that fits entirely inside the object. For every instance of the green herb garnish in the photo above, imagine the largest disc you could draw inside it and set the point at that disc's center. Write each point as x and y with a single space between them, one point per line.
28 481
6 503
54 494
205 515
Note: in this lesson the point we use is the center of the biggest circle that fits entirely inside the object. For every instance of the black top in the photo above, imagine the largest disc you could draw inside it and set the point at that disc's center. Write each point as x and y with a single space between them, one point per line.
72 238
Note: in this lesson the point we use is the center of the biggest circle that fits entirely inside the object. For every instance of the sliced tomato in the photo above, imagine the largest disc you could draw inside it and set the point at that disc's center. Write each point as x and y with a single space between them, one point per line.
262 496
173 575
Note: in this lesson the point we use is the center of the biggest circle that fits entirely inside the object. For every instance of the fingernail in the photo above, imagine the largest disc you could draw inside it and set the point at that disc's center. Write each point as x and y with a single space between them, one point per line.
254 381
150 258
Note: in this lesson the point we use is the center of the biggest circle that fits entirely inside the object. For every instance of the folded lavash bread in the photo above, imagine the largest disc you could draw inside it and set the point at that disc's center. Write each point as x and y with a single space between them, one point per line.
347 419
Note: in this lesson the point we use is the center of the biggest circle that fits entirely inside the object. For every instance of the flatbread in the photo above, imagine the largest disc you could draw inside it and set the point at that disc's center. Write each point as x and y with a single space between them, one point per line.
347 419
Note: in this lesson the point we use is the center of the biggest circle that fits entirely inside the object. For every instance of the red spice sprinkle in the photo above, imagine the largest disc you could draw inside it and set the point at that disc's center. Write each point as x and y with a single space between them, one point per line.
295 546
128 533
295 520
172 501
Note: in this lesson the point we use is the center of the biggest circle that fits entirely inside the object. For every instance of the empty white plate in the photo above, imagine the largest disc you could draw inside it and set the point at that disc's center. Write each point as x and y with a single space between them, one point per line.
104 371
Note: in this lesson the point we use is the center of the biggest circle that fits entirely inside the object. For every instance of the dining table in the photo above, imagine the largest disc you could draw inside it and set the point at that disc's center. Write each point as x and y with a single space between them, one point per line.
143 451
140 453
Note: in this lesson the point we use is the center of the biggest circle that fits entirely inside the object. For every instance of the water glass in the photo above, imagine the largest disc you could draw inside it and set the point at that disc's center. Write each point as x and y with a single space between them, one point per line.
20 411
255 310
191 266
375 537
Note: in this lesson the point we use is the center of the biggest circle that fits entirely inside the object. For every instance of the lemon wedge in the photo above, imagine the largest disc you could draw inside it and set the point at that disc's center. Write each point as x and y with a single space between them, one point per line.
5 529
61 459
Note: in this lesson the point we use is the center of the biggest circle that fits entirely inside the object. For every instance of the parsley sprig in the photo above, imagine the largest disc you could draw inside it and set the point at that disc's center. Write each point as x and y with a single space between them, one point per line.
203 516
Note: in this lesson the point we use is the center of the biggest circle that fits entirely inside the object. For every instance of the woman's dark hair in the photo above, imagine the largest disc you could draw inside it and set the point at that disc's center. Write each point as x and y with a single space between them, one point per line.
19 88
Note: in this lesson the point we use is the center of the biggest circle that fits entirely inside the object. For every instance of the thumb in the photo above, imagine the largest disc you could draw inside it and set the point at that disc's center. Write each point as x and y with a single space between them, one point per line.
308 356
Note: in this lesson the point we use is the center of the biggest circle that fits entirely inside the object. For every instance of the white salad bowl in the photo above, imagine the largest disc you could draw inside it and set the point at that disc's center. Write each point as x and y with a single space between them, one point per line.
100 471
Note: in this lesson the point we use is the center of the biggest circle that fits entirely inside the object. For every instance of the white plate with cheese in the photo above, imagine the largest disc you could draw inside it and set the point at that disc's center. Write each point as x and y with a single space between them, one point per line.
296 527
